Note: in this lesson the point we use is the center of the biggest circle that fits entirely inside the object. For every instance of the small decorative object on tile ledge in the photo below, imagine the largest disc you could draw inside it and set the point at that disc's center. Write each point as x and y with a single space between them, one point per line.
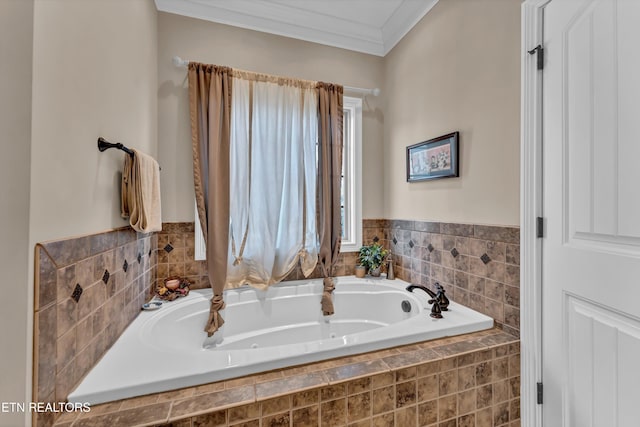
151 305
361 271
173 287
390 274
372 257
172 284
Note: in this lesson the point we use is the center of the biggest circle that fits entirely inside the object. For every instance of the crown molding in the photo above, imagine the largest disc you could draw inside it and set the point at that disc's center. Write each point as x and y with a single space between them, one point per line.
296 22
403 20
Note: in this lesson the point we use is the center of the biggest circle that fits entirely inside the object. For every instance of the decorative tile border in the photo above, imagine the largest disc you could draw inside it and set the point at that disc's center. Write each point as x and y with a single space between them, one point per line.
468 380
478 265
84 300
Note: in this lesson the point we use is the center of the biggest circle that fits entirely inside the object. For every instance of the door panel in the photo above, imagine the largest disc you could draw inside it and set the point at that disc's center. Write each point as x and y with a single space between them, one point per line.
591 202
629 122
599 341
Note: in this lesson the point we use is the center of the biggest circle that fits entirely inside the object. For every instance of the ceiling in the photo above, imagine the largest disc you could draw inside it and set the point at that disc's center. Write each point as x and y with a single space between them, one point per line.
368 26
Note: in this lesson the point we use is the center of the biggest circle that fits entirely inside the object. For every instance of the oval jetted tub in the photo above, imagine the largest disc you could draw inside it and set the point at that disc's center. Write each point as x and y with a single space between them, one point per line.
167 348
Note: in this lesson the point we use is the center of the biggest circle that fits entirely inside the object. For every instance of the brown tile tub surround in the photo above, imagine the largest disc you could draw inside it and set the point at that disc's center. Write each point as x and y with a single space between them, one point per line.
468 380
478 265
176 257
176 254
85 296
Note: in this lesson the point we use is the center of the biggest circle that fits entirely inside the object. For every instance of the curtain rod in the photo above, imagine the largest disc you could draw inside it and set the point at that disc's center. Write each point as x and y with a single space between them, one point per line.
179 62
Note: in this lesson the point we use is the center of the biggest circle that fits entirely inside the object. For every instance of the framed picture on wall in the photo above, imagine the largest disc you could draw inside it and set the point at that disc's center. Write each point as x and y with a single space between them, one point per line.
432 159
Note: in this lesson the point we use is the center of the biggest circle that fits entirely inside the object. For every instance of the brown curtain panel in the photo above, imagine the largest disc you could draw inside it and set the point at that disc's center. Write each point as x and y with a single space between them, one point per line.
210 108
329 184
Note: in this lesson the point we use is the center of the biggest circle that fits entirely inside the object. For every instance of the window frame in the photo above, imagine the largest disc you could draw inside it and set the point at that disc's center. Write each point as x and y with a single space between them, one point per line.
352 174
200 247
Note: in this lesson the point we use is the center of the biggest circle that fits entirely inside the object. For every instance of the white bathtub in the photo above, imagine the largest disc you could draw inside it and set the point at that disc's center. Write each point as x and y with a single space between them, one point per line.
167 349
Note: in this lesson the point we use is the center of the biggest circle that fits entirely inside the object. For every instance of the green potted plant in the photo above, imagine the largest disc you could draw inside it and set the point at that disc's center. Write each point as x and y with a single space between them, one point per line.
372 257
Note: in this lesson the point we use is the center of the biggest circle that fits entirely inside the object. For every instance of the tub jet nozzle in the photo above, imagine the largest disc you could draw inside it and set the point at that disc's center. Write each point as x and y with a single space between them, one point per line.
406 306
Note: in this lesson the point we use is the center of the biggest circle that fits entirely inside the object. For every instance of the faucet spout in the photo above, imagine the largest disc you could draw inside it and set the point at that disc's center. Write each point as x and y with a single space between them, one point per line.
439 296
432 294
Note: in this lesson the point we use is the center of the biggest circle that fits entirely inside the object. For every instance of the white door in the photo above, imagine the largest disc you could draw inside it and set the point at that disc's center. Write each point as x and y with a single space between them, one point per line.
591 204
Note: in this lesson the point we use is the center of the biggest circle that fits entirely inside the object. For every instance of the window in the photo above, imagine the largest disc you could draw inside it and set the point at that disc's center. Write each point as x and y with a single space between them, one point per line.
352 175
351 198
200 247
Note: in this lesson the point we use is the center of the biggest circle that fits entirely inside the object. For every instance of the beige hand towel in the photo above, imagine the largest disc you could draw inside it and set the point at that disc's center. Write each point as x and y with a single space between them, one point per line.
141 192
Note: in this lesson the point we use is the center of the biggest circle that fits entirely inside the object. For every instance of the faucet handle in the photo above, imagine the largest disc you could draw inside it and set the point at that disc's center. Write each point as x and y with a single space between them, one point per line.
443 301
436 312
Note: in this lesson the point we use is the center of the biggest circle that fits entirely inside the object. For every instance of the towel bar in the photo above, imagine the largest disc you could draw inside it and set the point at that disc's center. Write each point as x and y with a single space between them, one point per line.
103 145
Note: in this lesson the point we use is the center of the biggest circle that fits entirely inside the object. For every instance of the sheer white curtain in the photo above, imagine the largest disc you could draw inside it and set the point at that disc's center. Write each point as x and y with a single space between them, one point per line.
273 181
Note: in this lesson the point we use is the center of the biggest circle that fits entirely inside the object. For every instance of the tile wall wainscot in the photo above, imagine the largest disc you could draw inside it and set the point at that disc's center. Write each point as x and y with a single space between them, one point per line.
87 291
469 380
478 265
176 257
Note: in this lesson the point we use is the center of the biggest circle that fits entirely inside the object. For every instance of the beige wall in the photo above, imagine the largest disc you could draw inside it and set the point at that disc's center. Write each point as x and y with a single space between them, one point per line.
16 36
458 69
208 42
71 71
94 75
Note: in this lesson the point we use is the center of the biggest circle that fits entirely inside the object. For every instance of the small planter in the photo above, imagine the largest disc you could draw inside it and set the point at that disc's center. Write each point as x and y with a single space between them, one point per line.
360 271
372 257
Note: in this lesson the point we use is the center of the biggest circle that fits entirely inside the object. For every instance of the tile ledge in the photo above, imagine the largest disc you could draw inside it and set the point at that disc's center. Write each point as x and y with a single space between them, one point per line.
487 340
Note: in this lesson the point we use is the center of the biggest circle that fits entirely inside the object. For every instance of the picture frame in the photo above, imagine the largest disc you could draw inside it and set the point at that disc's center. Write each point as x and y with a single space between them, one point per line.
433 159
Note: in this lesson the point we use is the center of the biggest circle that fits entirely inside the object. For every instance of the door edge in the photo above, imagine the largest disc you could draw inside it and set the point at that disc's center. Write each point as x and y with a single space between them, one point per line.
530 211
